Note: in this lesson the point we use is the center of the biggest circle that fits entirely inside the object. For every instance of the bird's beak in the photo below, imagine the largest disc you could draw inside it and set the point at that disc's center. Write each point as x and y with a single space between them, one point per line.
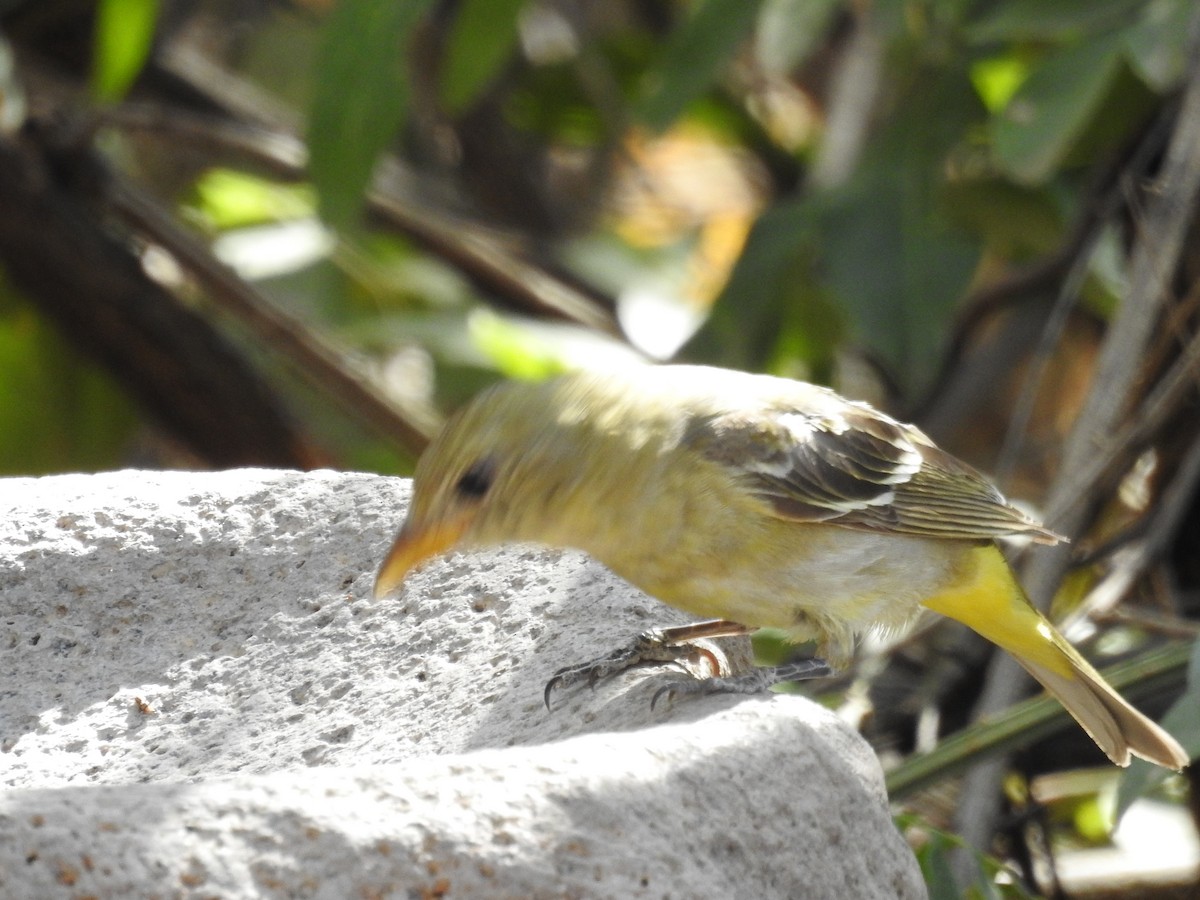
414 545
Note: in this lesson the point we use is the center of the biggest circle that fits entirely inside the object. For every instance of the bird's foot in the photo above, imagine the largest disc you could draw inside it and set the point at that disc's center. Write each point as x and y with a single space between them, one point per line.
665 646
755 681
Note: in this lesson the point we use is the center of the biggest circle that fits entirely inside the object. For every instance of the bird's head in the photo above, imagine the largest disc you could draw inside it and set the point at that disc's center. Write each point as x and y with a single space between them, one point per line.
490 476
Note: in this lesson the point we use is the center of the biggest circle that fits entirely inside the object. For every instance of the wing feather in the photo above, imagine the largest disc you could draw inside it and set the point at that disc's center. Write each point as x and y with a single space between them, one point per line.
830 460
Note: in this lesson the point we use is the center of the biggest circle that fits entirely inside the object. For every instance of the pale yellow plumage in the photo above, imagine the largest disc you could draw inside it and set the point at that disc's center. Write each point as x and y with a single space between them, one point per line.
757 500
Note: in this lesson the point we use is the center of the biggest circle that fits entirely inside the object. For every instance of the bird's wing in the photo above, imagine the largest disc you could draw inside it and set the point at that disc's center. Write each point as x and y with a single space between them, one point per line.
833 461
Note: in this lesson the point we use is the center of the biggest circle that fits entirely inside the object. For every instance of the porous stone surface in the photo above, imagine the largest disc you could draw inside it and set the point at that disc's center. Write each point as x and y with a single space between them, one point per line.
198 698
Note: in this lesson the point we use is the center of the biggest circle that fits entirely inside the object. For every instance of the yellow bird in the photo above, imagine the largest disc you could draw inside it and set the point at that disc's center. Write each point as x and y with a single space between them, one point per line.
759 502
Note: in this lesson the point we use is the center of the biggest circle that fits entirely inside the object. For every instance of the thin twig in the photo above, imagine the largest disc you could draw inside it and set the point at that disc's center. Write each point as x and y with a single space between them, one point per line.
279 154
1043 353
411 425
484 259
1173 505
481 256
1107 464
1133 560
1046 275
1082 246
1152 623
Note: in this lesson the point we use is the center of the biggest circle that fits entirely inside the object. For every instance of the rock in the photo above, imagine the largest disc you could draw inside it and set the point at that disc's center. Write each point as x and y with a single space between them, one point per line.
199 699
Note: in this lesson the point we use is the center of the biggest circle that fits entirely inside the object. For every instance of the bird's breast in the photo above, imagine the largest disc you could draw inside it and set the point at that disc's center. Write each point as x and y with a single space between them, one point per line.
820 582
686 532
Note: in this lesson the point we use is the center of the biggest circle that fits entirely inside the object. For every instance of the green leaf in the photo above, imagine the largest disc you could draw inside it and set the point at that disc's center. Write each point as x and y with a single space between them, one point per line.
774 315
1157 45
934 849
1127 106
516 352
123 37
693 57
939 871
998 78
898 269
880 250
1057 102
893 258
746 319
360 99
231 199
1040 20
483 38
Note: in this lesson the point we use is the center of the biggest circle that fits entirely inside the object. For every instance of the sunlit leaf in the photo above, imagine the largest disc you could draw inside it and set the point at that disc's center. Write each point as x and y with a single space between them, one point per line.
482 38
360 98
230 199
695 53
515 352
1091 818
124 34
997 79
1041 123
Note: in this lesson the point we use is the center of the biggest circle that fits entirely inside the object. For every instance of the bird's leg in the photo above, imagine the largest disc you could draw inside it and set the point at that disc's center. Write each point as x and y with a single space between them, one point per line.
658 646
753 682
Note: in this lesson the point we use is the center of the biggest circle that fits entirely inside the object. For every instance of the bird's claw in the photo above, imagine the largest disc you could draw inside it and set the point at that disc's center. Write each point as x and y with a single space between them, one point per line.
655 647
755 681
650 648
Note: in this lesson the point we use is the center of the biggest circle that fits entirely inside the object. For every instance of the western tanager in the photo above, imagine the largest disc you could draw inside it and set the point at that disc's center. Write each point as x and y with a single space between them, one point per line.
758 501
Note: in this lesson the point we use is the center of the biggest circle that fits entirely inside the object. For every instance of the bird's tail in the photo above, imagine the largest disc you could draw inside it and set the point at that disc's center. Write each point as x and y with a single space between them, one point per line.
988 599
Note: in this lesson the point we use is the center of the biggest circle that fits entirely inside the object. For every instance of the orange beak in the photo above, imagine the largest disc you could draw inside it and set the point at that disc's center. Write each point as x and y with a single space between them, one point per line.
412 547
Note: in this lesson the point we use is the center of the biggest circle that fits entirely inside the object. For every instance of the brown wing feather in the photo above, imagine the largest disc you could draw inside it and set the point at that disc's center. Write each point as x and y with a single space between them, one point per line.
855 467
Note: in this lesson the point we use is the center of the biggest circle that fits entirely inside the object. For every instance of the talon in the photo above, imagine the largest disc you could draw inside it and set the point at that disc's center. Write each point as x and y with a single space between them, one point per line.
569 675
803 670
550 686
648 648
665 689
756 681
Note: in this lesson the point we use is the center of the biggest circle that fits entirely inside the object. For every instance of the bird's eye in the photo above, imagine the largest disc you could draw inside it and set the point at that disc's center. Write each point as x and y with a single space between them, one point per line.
477 480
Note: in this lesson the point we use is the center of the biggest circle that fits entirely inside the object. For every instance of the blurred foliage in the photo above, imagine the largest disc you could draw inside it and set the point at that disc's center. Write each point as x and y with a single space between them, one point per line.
968 148
934 848
359 99
451 191
60 412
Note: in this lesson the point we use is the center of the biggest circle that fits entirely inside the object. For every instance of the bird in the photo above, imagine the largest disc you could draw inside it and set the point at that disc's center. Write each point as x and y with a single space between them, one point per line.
753 501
